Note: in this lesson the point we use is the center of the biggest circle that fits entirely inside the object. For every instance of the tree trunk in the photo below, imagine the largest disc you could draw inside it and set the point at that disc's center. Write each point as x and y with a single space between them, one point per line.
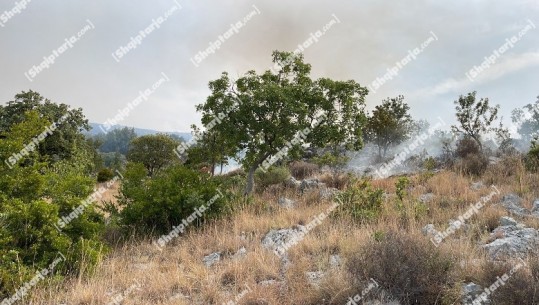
249 188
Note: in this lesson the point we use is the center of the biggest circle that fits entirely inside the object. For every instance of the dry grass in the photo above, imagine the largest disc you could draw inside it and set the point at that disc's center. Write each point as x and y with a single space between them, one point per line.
177 275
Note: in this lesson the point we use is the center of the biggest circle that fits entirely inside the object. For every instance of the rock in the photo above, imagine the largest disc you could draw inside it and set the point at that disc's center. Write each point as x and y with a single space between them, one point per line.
292 182
494 160
314 278
470 292
308 184
516 242
277 238
507 221
268 283
535 208
429 230
476 186
335 261
513 204
287 203
328 193
211 259
242 252
426 198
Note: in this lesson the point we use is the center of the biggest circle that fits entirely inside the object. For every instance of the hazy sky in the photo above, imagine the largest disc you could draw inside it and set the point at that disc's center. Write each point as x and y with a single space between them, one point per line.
361 41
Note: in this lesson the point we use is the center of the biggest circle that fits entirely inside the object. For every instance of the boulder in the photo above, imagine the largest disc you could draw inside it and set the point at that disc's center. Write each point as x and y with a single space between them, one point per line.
426 198
507 221
513 204
308 184
211 259
516 242
470 292
287 203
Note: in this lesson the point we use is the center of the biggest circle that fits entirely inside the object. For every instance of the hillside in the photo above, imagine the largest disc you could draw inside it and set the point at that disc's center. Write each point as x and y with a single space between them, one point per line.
230 261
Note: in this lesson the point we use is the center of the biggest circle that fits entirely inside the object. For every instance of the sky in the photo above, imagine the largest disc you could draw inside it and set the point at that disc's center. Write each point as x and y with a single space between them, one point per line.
92 54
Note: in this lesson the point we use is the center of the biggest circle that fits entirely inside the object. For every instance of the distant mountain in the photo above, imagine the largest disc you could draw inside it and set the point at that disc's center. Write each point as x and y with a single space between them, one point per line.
96 129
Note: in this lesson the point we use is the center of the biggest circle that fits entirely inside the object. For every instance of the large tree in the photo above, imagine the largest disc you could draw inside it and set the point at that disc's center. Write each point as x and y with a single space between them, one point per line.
475 117
154 151
259 115
389 124
65 141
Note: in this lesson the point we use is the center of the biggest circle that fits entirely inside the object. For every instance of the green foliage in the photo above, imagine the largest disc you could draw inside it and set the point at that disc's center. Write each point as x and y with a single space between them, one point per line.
105 175
116 140
332 160
390 124
64 141
532 158
360 201
474 117
34 195
154 151
260 114
157 204
401 185
430 164
274 175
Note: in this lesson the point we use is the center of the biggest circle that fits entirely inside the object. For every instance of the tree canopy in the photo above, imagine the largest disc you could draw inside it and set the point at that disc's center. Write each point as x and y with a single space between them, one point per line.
259 114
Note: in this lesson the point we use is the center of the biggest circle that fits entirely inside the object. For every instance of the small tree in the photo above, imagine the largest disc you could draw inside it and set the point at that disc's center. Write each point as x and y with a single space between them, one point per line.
390 124
474 117
154 151
261 115
527 120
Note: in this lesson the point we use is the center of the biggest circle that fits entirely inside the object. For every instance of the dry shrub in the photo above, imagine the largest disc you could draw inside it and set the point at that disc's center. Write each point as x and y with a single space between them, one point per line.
473 164
521 287
301 169
410 269
338 181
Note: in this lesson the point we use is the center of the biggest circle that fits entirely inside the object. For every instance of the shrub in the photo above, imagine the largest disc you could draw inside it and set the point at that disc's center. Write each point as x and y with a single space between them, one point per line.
301 169
105 175
274 175
401 185
360 201
532 158
473 164
338 181
171 196
522 287
410 269
467 146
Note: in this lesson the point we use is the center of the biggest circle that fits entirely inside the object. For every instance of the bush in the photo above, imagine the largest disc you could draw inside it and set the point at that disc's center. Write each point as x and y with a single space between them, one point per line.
521 287
105 175
410 269
274 175
532 158
467 146
301 169
473 164
171 196
360 201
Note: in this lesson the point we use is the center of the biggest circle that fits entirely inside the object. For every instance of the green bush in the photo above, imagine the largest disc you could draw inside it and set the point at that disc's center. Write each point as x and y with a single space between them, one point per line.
360 200
157 204
532 158
274 175
105 175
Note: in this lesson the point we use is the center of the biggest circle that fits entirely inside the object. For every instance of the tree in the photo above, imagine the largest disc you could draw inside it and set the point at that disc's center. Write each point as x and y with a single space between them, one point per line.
34 196
260 115
65 140
117 140
389 124
154 151
474 117
209 150
527 120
